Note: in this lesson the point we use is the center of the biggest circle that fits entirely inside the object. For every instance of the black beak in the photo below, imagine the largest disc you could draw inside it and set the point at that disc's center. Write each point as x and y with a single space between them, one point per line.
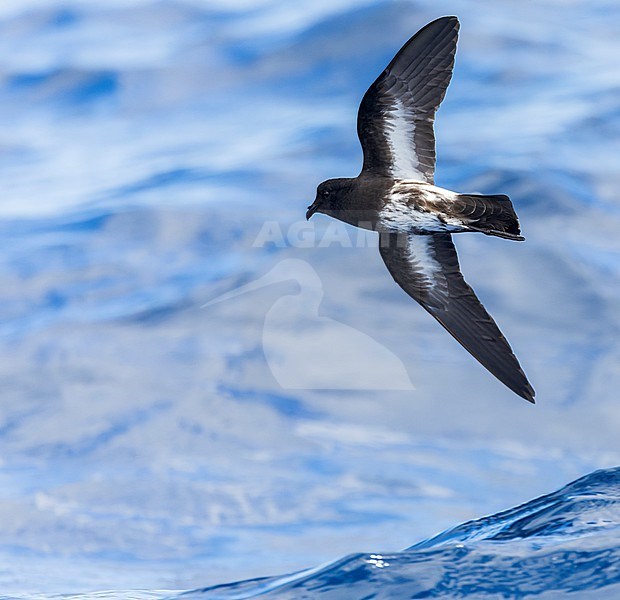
312 209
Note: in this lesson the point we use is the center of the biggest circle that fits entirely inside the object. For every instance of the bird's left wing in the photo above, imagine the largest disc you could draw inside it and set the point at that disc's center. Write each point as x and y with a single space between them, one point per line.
427 268
395 118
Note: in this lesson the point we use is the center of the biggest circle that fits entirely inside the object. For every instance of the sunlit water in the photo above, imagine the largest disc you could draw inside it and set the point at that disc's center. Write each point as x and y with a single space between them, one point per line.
563 543
147 443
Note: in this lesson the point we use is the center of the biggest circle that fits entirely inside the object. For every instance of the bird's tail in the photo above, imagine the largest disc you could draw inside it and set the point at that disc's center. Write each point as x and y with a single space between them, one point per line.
491 215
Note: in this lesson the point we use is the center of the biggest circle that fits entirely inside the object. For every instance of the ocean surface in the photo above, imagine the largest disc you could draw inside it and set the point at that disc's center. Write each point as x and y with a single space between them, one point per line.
198 387
560 545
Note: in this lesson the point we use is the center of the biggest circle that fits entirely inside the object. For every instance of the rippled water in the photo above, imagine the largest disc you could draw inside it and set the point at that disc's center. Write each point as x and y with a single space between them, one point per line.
149 443
563 543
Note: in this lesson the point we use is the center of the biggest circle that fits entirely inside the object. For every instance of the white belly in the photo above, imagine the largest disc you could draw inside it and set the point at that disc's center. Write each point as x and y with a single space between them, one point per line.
400 214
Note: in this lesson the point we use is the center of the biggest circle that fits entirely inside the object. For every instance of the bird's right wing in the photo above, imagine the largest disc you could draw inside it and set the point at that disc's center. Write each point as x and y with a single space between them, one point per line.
427 268
395 118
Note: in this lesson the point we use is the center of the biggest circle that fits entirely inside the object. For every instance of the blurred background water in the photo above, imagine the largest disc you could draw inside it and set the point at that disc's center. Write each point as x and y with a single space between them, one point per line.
146 442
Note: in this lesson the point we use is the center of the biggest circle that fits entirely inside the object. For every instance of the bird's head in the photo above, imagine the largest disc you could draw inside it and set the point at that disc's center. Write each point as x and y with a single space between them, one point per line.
329 197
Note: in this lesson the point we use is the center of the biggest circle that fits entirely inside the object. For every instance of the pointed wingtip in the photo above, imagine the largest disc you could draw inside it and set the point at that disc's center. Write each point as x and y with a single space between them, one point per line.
448 18
522 387
528 394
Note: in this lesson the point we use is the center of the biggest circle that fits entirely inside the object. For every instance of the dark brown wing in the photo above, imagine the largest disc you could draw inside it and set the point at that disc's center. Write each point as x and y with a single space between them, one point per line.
395 118
427 268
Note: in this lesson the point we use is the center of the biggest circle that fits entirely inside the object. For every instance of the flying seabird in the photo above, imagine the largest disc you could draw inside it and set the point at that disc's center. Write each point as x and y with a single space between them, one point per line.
395 195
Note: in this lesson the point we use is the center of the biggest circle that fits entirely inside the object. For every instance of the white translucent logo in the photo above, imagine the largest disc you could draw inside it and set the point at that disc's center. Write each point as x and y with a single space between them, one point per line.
301 234
305 350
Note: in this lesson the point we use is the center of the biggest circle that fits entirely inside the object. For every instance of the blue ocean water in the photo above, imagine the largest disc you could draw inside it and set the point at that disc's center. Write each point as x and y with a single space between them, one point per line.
560 545
157 155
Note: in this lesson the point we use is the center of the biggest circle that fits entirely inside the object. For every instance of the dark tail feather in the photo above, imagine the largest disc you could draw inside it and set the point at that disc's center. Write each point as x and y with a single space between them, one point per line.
492 215
500 234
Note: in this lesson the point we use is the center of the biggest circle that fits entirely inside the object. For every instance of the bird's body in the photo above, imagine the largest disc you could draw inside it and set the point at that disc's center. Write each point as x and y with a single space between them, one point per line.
395 194
409 206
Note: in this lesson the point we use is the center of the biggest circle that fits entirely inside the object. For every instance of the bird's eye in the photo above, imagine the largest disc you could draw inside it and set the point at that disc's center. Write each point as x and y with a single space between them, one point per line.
326 193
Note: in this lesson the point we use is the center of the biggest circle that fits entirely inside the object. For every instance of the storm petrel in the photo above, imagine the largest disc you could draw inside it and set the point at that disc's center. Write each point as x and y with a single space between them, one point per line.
395 195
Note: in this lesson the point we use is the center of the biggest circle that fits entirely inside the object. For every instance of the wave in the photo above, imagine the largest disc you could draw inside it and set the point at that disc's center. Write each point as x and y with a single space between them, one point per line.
564 542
